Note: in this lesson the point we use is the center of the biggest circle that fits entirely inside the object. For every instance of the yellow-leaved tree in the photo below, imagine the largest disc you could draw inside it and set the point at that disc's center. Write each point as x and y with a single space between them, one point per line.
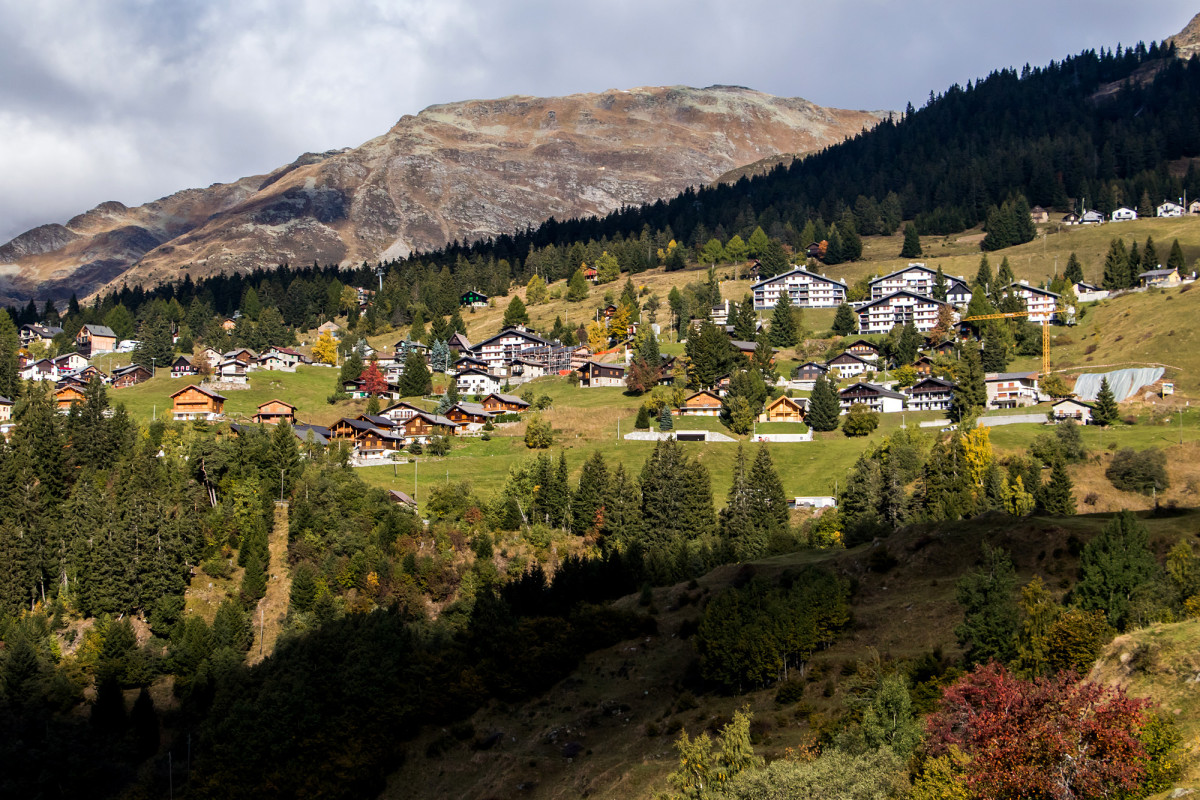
325 349
977 452
597 337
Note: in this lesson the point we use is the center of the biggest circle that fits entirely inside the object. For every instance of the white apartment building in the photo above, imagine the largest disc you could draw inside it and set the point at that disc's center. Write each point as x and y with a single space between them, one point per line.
499 351
916 277
899 308
1040 303
805 289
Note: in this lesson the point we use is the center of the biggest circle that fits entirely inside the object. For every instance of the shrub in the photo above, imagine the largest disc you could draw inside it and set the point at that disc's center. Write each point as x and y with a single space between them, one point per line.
336 396
538 433
1143 472
415 448
439 445
861 421
217 567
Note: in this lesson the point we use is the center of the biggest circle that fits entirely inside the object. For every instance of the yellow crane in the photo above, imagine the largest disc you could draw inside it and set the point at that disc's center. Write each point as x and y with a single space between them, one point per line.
1011 315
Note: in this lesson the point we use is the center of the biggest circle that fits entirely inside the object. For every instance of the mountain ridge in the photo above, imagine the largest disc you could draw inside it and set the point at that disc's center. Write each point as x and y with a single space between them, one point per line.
454 171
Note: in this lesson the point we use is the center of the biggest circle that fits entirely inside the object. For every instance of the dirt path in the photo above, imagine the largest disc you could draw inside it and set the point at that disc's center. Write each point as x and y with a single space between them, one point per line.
271 610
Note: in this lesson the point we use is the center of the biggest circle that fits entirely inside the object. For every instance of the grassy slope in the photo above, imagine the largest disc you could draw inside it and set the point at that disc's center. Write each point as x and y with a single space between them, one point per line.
618 698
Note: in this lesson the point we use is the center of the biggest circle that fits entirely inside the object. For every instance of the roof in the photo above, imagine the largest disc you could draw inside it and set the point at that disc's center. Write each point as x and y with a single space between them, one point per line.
798 402
1031 288
509 398
1158 273
847 354
318 434
357 424
378 421
436 419
403 404
605 365
909 268
476 371
867 342
462 340
821 367
400 497
282 403
1009 376
888 297
130 368
183 359
742 344
708 392
1087 287
510 331
800 270
1074 400
199 389
4 401
100 330
474 409
879 390
939 381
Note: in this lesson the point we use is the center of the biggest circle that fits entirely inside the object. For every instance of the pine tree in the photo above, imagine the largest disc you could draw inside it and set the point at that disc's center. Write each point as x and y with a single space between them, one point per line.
970 388
745 320
587 504
352 367
823 406
1004 276
983 277
783 331
844 321
1074 271
1057 496
455 324
736 519
1105 412
1149 256
665 421
912 242
940 288
990 614
768 506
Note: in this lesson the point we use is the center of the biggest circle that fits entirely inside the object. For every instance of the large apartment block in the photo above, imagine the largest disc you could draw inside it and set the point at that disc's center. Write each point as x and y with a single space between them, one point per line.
899 308
1040 303
805 289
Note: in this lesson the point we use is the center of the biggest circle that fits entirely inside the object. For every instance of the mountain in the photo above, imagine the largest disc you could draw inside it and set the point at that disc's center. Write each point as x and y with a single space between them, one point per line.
460 171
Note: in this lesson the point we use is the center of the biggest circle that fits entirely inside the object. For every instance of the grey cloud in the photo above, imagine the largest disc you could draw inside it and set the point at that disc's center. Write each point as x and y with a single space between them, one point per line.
131 100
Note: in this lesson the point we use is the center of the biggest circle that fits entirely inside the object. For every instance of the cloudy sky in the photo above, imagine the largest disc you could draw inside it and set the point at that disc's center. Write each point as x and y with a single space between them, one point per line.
134 99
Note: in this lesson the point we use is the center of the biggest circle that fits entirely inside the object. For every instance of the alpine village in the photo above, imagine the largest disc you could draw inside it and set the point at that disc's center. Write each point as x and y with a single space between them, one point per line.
872 473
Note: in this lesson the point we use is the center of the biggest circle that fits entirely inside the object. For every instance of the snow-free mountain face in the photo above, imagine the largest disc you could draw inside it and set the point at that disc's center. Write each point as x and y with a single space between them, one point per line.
458 171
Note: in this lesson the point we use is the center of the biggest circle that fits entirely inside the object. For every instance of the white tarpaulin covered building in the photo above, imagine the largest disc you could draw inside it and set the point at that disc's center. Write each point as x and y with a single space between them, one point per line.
1122 382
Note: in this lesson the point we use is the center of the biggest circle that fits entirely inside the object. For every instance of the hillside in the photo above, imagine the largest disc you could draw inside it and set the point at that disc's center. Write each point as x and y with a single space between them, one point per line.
459 171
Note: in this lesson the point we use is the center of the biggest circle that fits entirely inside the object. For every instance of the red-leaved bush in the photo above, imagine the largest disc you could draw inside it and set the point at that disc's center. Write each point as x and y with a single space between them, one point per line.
1047 738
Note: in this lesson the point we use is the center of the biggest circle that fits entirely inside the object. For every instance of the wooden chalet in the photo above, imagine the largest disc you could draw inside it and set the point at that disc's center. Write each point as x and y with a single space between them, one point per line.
40 370
598 373
808 372
473 299
700 404
377 443
931 394
469 416
132 375
332 328
459 344
398 412
923 365
228 324
783 409
93 339
272 411
497 403
182 367
849 365
864 349
420 427
942 348
67 396
244 355
346 429
195 402
874 397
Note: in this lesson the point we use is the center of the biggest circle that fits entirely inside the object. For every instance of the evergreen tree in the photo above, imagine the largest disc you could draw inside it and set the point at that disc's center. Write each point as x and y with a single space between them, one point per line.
515 314
156 345
851 246
768 503
665 420
745 320
10 347
844 321
1057 496
736 519
912 242
783 331
455 324
416 380
1105 412
1004 276
908 345
587 504
823 406
643 418
577 287
352 367
983 277
1116 267
990 615
710 355
940 288
1113 566
970 388
774 260
758 243
1074 271
676 497
1175 259
1149 257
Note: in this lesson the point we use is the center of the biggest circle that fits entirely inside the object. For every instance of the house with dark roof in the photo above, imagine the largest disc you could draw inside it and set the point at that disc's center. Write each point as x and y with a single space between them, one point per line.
196 403
597 373
93 339
498 351
497 403
848 365
1073 409
1160 277
930 394
874 397
124 377
899 308
182 367
802 288
807 373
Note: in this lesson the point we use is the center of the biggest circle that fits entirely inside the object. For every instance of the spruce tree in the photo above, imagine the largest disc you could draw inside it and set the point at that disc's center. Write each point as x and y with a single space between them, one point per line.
844 321
912 242
1057 496
783 331
1004 276
1149 257
768 503
1175 259
970 387
587 503
1105 412
983 277
9 349
456 324
736 520
774 260
416 380
643 418
352 367
515 314
823 406
1113 566
1116 267
744 319
665 421
1074 271
990 615
940 288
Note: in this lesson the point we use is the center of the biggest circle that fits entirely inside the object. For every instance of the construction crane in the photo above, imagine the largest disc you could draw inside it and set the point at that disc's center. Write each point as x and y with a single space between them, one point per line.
1011 314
